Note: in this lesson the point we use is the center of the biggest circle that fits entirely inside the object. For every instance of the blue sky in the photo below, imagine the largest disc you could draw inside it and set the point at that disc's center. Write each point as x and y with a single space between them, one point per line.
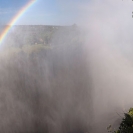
47 12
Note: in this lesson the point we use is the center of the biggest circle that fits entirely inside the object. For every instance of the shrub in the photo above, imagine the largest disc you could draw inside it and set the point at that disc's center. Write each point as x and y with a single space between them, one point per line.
126 126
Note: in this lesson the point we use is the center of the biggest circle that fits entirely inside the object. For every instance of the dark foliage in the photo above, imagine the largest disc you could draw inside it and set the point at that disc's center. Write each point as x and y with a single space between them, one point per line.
126 126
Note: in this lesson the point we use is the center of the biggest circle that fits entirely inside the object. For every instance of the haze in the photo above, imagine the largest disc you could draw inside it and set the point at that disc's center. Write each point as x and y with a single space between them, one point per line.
75 78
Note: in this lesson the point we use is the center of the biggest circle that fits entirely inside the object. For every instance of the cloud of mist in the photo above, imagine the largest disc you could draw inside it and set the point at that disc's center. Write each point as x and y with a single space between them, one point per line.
108 25
65 93
45 81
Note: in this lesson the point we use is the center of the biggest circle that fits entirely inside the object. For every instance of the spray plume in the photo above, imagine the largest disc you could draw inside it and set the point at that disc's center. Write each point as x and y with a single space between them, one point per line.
109 45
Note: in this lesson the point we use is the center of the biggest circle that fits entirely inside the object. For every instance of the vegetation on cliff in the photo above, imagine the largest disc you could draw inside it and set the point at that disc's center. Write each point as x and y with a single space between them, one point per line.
126 126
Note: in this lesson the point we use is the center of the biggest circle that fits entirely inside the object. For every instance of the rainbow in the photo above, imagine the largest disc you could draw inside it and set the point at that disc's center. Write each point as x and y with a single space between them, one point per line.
15 18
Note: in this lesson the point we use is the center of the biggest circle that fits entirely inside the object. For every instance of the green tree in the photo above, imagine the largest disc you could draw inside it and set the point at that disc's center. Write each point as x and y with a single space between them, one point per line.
126 126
